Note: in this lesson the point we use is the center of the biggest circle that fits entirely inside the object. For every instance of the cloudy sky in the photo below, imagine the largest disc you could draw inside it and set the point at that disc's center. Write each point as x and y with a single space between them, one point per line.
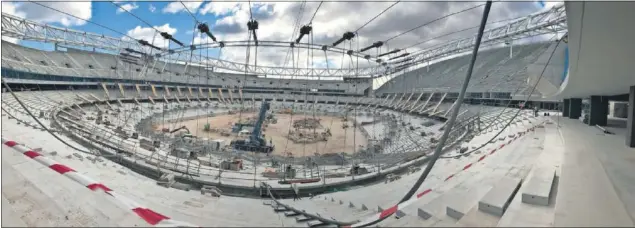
277 19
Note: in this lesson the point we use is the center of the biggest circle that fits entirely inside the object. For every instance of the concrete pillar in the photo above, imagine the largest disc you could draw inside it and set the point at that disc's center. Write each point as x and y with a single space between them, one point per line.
565 108
630 123
599 111
575 108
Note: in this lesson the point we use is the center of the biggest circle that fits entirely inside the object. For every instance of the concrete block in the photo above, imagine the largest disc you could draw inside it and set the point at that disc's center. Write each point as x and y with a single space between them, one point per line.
456 212
350 204
379 209
458 205
423 214
341 202
498 198
314 223
538 189
280 209
364 208
400 214
290 213
302 218
332 200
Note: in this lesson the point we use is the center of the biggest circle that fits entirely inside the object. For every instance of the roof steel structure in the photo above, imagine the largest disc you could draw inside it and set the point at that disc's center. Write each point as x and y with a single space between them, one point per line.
544 22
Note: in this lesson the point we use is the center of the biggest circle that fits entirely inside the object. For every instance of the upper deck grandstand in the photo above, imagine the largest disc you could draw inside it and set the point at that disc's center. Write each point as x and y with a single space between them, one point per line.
195 126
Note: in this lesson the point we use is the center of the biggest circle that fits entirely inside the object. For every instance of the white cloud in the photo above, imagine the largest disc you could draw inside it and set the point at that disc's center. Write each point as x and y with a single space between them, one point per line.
33 11
9 8
201 39
151 35
175 7
334 18
221 8
128 7
152 8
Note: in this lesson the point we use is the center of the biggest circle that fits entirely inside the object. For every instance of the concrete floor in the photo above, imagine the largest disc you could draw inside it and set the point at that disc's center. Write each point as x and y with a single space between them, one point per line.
597 187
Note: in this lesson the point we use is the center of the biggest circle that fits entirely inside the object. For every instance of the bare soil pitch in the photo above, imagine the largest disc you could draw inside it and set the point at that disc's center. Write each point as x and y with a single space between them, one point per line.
342 140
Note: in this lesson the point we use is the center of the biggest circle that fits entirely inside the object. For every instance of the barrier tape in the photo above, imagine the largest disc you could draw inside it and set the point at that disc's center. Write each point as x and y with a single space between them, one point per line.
148 215
391 210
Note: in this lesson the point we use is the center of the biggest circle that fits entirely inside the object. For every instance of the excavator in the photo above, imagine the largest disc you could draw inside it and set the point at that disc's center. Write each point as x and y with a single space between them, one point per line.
255 142
188 134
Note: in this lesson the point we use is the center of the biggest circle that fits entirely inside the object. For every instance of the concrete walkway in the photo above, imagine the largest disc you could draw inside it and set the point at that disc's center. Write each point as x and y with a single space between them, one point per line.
597 186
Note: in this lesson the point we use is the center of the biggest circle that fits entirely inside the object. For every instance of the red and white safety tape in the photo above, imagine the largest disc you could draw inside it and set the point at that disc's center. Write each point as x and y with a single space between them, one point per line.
391 210
148 215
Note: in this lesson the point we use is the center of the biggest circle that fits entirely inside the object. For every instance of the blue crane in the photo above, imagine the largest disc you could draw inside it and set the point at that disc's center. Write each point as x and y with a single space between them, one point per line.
255 143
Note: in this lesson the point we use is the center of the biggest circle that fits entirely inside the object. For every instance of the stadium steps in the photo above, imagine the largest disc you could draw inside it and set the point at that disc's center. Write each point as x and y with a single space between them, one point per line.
45 198
10 218
542 181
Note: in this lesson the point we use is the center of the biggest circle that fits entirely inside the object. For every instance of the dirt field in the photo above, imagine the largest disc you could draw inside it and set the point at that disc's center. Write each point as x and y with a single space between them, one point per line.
340 141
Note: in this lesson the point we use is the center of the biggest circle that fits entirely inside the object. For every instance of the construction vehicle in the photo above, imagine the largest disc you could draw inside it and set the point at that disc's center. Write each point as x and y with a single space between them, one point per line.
149 145
237 127
271 118
235 164
255 142
186 134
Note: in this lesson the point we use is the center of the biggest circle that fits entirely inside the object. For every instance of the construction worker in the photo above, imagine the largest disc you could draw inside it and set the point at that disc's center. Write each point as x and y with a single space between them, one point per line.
296 196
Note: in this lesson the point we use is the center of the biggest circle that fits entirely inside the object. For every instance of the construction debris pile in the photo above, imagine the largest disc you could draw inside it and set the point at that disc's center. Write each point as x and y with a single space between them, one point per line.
304 136
305 131
307 123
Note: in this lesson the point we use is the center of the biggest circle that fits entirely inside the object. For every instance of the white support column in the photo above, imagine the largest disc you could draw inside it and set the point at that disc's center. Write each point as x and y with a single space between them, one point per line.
220 96
448 111
393 105
95 97
178 90
154 91
440 101
240 93
382 102
414 104
121 90
210 95
167 90
105 91
427 101
83 98
391 100
231 96
405 104
109 105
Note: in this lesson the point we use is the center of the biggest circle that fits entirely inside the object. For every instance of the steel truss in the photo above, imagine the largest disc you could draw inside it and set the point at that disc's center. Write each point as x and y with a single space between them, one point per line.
545 22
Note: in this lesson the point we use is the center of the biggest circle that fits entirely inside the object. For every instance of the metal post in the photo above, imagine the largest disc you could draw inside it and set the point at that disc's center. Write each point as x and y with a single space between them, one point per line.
455 111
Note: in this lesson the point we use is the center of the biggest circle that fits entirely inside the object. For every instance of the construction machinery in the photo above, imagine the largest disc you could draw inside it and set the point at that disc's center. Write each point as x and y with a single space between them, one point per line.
255 142
187 134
